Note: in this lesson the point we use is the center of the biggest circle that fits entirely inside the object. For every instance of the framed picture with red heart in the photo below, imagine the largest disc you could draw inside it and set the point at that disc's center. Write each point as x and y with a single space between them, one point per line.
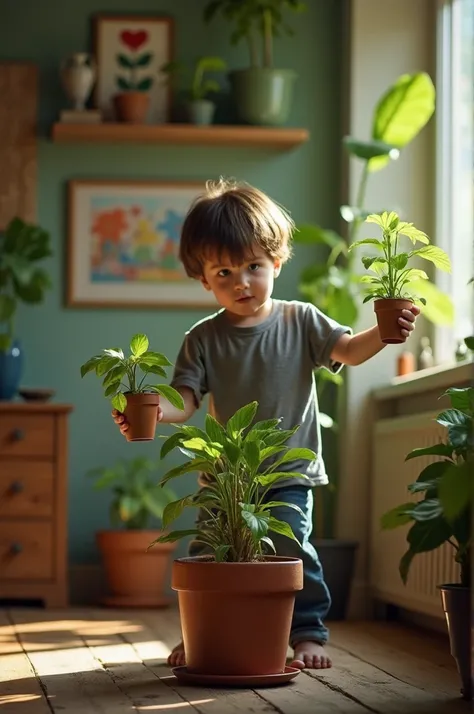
129 51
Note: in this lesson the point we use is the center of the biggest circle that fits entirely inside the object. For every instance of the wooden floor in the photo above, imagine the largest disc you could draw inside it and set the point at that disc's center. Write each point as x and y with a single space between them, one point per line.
113 662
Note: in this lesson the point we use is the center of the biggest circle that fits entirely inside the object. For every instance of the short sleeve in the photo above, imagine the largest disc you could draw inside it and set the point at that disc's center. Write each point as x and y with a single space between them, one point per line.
189 370
322 333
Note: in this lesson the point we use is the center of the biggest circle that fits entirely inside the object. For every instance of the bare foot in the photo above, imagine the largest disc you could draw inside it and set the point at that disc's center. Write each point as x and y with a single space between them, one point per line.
177 657
310 655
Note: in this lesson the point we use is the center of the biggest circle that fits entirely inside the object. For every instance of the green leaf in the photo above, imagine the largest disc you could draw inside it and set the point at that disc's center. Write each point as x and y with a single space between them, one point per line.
124 61
128 507
469 342
402 112
144 59
7 307
314 235
232 451
282 528
283 504
456 490
367 150
271 478
112 389
155 502
123 84
399 261
105 364
462 398
155 358
428 535
435 255
241 419
152 369
435 450
366 241
220 553
434 471
171 395
297 454
214 430
188 467
171 443
114 376
459 426
202 446
174 509
119 402
398 516
90 365
269 542
144 84
252 455
139 344
404 565
257 522
427 510
174 536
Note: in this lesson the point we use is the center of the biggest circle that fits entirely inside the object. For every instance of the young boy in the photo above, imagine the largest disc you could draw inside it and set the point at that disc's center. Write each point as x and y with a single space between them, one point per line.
235 240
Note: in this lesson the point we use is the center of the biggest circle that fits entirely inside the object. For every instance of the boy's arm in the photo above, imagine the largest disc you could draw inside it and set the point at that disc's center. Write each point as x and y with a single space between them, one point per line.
167 413
356 349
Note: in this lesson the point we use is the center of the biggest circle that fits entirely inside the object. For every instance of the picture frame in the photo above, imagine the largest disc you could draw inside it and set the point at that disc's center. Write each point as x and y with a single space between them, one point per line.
147 42
123 242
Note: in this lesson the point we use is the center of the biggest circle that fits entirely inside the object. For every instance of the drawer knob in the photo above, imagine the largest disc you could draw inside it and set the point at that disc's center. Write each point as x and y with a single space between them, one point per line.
18 434
16 548
16 487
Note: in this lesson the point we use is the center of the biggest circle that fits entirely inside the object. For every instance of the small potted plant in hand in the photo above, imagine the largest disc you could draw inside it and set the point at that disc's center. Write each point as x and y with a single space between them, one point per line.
200 108
443 515
239 595
134 577
393 285
126 383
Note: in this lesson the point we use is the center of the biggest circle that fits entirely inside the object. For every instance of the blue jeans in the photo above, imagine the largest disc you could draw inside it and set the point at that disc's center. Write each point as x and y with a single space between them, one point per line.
313 602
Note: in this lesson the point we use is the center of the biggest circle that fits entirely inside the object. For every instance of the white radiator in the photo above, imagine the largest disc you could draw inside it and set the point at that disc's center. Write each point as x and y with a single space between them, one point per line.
392 439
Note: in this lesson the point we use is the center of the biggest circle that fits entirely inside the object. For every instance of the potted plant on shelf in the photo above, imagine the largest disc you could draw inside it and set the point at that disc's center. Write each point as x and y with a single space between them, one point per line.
132 101
134 577
238 595
393 285
263 93
199 107
125 382
443 515
22 246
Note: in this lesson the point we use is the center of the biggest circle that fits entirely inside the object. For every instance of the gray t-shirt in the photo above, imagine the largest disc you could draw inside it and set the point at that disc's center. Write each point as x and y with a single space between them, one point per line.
272 363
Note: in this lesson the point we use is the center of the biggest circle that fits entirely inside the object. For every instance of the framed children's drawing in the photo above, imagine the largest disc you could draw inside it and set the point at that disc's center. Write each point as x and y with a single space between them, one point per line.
129 51
123 245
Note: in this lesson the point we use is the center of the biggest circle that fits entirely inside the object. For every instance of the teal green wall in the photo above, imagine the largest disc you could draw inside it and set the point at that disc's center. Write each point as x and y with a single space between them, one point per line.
56 339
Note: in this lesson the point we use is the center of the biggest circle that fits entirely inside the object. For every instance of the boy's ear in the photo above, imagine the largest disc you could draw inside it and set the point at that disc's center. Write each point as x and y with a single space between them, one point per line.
277 268
204 283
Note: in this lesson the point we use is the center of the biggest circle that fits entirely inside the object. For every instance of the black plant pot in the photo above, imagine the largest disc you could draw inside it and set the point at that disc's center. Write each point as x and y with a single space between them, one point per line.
338 560
457 608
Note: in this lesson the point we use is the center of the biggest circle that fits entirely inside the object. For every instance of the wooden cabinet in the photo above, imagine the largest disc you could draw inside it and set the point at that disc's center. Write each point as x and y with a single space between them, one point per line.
33 502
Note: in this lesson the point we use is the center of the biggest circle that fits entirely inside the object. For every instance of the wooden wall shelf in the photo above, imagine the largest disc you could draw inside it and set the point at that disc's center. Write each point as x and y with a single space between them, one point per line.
282 138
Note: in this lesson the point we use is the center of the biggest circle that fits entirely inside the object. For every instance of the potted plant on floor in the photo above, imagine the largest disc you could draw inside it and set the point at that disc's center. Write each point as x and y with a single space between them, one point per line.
263 93
393 283
126 383
240 597
22 246
200 108
134 577
443 515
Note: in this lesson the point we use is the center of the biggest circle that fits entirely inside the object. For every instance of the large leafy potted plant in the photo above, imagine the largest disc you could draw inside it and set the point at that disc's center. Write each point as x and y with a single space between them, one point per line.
239 595
22 246
125 381
263 93
393 283
199 107
330 282
443 515
134 577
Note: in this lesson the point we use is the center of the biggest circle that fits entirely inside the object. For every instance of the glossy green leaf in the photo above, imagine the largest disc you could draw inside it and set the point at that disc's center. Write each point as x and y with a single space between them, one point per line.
171 395
456 490
367 150
398 516
119 402
435 255
315 235
462 398
139 344
241 419
434 450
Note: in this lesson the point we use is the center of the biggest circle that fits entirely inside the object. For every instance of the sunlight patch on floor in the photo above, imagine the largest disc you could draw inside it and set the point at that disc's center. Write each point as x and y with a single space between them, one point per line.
167 707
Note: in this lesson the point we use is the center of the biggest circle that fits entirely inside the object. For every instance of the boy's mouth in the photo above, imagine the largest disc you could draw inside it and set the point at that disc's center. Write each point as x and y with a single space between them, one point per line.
244 298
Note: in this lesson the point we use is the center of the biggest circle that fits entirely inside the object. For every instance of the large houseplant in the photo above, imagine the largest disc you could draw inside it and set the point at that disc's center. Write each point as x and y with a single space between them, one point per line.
200 108
394 282
126 382
330 282
22 246
443 515
263 93
249 595
134 577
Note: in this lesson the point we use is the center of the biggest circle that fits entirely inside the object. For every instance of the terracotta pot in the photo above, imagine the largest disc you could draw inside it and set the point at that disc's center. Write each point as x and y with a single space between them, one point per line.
236 617
457 609
135 576
141 412
132 107
388 310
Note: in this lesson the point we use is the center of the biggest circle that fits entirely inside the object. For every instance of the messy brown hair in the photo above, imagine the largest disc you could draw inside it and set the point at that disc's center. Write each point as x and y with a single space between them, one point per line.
232 219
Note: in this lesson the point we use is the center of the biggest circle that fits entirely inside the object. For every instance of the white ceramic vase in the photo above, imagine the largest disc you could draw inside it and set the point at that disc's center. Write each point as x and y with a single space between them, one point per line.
78 73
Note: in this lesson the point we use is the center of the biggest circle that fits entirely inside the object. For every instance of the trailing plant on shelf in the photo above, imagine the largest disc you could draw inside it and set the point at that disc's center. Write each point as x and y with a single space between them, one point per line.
137 498
22 246
239 516
126 381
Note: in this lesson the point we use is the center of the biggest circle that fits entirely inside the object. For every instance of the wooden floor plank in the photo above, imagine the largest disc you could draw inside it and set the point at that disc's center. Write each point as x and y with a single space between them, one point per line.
20 690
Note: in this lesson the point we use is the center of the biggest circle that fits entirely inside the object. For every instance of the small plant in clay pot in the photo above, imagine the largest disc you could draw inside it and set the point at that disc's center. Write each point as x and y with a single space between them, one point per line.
132 101
135 577
126 383
393 285
240 594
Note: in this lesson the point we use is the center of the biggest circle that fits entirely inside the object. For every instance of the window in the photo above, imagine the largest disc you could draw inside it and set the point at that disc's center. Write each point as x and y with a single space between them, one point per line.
455 164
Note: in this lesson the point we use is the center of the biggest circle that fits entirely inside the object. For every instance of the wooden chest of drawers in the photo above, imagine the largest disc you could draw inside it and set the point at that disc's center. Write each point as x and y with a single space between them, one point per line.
33 502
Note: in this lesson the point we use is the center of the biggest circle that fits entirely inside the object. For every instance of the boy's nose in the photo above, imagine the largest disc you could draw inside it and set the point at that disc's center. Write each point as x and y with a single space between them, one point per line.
241 281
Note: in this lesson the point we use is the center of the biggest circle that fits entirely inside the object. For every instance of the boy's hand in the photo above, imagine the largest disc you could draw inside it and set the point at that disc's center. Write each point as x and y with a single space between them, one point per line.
407 321
121 420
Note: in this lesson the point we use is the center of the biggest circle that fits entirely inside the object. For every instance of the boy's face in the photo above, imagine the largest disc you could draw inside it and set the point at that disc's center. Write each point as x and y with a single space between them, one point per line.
241 289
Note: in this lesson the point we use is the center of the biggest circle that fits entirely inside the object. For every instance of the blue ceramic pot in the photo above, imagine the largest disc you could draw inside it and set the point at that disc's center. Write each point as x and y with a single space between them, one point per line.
11 370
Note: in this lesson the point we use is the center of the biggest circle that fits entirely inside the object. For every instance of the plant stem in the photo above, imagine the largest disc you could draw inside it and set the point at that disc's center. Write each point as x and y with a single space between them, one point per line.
267 39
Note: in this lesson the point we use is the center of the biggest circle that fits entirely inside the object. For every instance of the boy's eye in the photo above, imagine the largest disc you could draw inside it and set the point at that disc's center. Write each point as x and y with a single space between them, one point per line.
254 266
223 273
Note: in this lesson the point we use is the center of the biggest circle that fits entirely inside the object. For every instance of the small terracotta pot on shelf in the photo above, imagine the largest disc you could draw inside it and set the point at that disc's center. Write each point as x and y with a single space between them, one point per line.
388 310
132 107
141 413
